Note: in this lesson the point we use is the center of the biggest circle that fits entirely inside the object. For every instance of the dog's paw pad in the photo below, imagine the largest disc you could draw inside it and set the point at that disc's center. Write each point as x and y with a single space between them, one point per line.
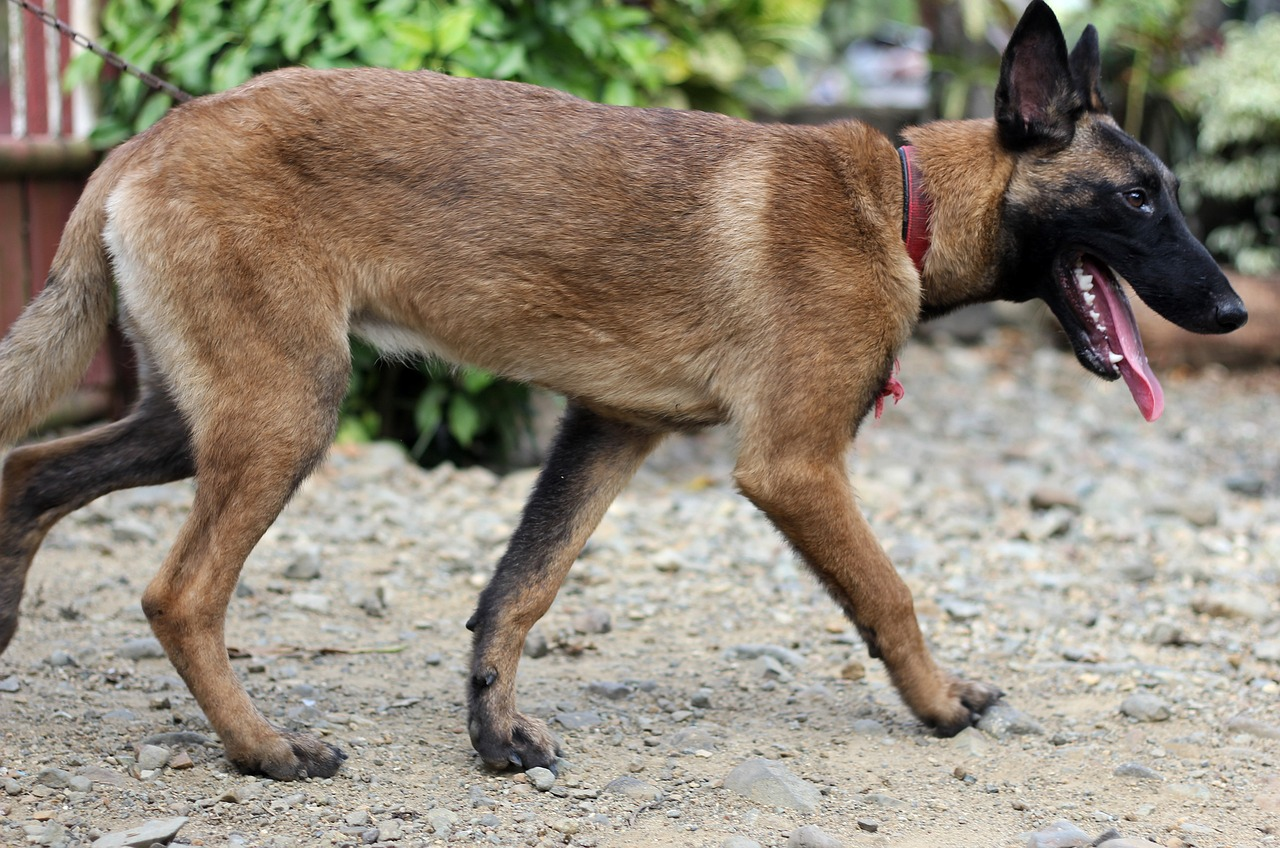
526 743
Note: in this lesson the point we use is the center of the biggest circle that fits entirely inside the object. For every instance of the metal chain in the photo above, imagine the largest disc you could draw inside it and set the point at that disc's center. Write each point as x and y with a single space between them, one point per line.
112 59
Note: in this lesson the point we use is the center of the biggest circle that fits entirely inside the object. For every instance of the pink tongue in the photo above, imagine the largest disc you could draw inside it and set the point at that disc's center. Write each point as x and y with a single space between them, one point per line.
1123 330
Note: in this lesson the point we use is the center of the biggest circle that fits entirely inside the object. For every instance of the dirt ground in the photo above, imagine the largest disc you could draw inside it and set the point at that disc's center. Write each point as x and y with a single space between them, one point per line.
1118 580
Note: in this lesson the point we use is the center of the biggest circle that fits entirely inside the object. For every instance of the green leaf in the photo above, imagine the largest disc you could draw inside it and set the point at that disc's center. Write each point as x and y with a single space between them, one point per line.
464 419
153 110
428 412
474 381
454 29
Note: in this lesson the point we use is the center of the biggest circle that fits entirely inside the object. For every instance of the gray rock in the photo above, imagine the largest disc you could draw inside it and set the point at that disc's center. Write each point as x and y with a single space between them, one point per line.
10 684
1048 497
610 690
311 602
633 789
305 564
869 825
153 756
390 829
1242 605
868 727
1002 721
60 659
54 778
701 699
535 645
777 652
142 648
442 821
769 782
12 787
1253 727
80 783
1060 834
1267 650
888 801
739 842
241 793
541 778
812 836
128 529
1126 842
578 719
145 835
1246 483
1137 770
1145 707
593 621
178 739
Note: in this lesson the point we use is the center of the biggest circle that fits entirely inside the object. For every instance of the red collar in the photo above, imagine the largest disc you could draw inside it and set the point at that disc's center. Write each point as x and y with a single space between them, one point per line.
916 208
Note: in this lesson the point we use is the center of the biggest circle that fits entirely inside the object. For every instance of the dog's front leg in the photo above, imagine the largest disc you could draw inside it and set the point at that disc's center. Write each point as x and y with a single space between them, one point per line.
805 491
591 460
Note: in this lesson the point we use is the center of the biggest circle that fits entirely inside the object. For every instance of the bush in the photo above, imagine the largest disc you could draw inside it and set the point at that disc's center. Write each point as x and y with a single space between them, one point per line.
1237 97
681 53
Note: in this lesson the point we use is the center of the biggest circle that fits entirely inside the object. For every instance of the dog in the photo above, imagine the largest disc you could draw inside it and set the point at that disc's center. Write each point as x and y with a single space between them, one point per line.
663 270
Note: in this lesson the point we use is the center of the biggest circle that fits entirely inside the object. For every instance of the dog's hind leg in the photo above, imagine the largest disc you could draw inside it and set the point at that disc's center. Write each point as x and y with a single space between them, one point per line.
43 482
797 476
591 460
254 440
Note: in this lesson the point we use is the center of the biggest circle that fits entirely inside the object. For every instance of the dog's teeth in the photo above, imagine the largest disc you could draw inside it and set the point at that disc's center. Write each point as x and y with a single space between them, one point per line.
1102 328
1085 282
1116 359
1095 315
1089 299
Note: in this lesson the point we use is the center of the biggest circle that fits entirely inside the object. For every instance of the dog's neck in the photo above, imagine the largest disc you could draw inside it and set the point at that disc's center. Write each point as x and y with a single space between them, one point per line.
965 172
916 208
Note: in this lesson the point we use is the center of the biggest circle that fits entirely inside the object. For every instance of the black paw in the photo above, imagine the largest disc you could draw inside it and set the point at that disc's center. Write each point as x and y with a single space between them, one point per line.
296 756
524 744
974 700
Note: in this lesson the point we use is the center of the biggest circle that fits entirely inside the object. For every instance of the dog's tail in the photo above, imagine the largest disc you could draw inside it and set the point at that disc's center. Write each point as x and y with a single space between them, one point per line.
51 344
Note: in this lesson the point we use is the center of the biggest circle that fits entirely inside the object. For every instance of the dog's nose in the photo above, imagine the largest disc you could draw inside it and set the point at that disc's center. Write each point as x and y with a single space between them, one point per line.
1231 315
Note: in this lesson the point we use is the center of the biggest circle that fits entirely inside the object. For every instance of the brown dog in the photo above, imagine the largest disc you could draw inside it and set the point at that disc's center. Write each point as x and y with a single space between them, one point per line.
664 270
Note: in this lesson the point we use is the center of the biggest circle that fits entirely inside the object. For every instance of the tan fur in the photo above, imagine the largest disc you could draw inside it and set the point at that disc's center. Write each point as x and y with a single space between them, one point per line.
661 269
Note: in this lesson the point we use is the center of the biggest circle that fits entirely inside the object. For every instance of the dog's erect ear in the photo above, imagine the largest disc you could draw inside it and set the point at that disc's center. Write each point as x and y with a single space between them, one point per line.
1037 102
1086 70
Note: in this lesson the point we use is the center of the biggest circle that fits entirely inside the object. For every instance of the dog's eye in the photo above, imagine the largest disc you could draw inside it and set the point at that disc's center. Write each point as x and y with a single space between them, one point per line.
1137 198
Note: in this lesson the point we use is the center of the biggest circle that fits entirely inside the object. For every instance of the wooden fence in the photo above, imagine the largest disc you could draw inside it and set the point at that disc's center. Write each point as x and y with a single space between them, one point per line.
44 160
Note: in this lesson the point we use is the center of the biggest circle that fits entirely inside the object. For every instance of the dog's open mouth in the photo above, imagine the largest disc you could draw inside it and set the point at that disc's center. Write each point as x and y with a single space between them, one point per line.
1106 337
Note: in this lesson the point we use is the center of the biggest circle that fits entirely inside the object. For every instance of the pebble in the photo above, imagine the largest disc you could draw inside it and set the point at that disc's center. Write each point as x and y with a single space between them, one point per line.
1146 707
1125 842
769 782
1137 770
142 648
541 778
812 836
1267 650
61 659
593 621
1060 834
535 645
311 602
1238 605
145 835
610 690
10 684
442 821
153 756
777 652
1002 721
1253 727
305 565
54 778
634 789
739 842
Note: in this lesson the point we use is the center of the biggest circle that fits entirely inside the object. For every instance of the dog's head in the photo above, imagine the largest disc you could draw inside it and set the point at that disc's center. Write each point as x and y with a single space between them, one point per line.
1089 205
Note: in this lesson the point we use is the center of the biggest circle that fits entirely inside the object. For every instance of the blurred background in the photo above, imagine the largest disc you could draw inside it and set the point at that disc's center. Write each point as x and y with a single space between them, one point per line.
1193 79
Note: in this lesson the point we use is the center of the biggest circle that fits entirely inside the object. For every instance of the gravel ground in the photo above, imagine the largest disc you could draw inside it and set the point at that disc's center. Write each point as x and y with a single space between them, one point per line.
1117 579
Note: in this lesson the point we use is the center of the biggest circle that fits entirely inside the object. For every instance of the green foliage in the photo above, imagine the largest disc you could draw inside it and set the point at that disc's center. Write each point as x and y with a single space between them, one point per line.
1236 94
683 53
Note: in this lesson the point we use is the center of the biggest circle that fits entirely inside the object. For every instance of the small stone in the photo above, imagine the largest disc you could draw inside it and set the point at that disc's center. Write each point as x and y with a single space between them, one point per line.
1060 834
593 621
146 835
390 830
305 565
143 648
127 529
180 761
888 801
971 740
442 821
1048 497
869 825
610 690
777 652
1242 605
633 789
567 826
535 645
701 699
311 602
10 684
578 719
80 783
61 659
739 842
769 782
812 836
1145 707
853 670
1128 843
541 778
1253 727
868 727
358 818
958 609
12 787
1267 650
1002 721
1137 770
153 757
1246 483
241 793
54 778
